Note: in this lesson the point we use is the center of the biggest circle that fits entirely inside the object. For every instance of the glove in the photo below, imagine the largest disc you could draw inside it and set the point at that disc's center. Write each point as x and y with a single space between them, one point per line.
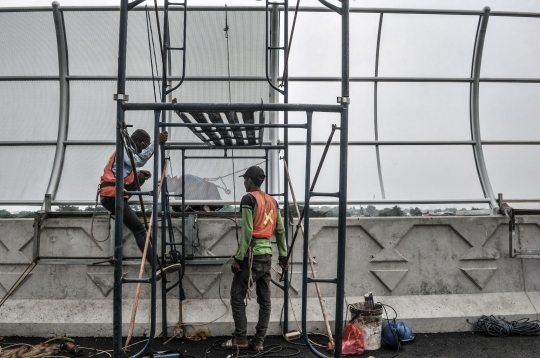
146 173
283 263
163 137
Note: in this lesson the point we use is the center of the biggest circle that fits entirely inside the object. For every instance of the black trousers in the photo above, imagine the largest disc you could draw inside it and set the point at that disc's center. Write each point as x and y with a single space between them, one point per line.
132 221
261 276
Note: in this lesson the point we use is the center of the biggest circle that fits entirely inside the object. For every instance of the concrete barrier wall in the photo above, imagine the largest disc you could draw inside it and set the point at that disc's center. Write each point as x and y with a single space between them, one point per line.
435 271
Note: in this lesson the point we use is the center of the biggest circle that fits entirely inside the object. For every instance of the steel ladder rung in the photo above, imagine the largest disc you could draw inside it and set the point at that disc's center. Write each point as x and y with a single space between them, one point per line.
322 280
136 280
313 193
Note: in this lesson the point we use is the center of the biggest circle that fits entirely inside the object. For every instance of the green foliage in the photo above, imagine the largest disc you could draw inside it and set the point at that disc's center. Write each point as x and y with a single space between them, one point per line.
5 214
371 210
313 212
415 212
21 214
395 211
99 208
68 208
25 214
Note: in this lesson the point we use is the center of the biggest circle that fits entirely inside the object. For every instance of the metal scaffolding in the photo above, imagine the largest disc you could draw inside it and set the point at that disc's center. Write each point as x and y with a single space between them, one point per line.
160 121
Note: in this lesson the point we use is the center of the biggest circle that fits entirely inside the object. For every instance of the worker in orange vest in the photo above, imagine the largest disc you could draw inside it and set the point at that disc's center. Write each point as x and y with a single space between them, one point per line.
143 149
261 219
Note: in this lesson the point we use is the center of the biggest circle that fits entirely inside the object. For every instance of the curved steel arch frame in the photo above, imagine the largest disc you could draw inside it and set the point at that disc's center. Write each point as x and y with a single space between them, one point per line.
475 111
63 72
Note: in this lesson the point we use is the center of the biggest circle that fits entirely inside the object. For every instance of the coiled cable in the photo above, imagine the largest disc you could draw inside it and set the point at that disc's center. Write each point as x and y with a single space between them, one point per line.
500 327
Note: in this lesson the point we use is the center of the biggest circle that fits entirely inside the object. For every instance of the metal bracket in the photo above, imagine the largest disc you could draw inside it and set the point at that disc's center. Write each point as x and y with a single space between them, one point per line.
120 97
514 240
344 100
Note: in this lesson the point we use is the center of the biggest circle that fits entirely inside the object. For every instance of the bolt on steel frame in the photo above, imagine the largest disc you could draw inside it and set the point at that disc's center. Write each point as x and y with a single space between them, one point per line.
161 122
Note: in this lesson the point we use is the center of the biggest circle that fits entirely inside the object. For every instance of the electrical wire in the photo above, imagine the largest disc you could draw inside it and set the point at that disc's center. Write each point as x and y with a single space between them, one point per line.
150 42
500 327
93 217
270 351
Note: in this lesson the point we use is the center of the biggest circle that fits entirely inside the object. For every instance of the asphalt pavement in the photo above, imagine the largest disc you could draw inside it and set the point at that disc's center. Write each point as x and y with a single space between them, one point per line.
447 345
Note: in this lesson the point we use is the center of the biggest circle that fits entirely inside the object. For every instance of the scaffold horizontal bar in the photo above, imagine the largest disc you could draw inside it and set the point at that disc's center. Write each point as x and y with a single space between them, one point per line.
322 280
240 147
324 194
136 280
237 126
224 107
226 157
149 193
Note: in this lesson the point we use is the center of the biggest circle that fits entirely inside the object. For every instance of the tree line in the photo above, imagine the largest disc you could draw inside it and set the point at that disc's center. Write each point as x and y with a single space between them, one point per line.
314 211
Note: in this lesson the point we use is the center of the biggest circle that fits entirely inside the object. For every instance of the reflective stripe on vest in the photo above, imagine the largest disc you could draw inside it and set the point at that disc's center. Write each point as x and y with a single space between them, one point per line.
109 177
265 220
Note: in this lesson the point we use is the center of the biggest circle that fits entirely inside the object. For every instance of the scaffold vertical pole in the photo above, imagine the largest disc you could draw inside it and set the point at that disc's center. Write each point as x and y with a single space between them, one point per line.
119 194
343 158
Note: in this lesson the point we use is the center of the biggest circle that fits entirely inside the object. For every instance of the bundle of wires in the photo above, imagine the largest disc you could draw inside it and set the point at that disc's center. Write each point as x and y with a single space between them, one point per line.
500 327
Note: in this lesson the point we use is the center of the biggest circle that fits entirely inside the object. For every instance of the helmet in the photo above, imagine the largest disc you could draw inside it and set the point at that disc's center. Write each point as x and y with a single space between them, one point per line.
393 334
390 336
404 332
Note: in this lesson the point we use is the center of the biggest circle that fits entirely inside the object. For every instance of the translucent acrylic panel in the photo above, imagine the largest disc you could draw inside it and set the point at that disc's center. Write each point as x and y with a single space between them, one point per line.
360 111
25 172
93 112
206 53
93 43
312 93
214 179
429 172
423 111
427 45
513 170
24 121
83 166
316 45
509 111
511 49
28 44
363 180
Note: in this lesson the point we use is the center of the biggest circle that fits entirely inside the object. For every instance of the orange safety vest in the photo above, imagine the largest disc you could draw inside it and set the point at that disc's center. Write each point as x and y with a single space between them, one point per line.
265 221
109 177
